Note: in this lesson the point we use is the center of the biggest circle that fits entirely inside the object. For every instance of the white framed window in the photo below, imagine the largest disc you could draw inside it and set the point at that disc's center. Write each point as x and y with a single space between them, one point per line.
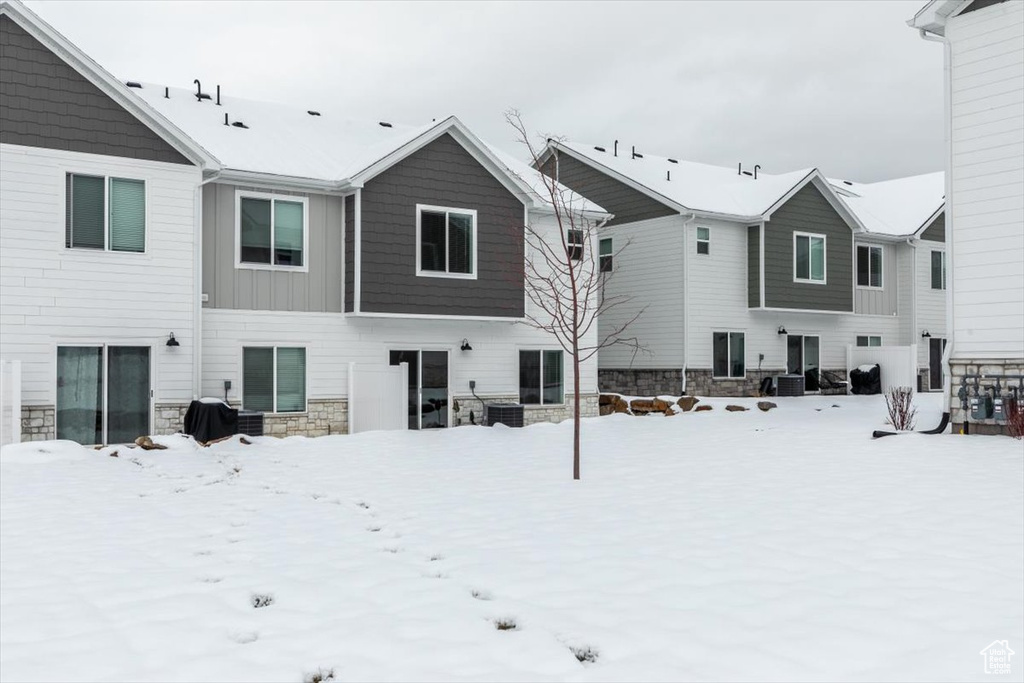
869 340
938 269
105 213
271 231
809 258
445 242
607 254
541 377
869 266
704 241
729 349
574 244
274 379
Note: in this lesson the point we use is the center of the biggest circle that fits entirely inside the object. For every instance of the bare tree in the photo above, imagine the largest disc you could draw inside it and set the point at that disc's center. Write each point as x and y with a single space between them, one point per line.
565 281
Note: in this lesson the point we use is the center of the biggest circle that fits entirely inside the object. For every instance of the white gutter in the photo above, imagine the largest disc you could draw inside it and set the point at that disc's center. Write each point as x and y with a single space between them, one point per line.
947 82
197 298
686 295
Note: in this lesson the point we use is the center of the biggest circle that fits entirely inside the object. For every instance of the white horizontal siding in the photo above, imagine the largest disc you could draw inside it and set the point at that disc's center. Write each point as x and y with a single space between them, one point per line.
987 202
51 296
931 303
649 272
333 340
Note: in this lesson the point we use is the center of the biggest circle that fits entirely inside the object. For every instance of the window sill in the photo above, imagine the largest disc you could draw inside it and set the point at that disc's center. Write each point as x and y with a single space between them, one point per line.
269 267
446 276
798 281
539 406
871 288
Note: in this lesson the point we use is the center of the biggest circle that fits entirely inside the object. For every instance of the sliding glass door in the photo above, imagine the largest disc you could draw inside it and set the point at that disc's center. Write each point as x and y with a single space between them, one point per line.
428 387
103 393
803 355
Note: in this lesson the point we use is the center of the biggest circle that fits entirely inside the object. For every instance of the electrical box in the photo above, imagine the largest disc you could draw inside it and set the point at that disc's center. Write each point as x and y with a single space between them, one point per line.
981 407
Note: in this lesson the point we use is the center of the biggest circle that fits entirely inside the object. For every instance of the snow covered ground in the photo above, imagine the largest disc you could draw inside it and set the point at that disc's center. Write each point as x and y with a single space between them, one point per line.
706 546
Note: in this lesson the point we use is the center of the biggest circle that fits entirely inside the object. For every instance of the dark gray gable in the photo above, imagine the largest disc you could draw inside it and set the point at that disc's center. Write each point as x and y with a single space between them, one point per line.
981 4
627 204
808 211
442 173
44 102
937 230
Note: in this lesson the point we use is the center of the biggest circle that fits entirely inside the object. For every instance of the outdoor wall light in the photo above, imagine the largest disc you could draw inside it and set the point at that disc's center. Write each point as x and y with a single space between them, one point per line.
465 345
171 341
925 334
782 329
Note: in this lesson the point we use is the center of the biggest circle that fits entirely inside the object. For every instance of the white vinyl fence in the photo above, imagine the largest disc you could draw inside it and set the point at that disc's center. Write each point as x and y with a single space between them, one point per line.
378 397
898 364
10 402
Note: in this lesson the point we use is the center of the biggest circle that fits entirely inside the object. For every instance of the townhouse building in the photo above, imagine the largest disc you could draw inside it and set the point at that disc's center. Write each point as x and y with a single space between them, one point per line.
161 244
742 275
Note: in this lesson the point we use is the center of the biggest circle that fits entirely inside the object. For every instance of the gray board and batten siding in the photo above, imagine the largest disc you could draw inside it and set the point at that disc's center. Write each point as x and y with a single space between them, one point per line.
625 203
318 290
936 232
350 252
442 173
808 211
754 266
884 301
46 103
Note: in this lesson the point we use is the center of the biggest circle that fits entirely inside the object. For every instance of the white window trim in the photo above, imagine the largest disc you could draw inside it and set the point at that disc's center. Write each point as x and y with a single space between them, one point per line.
728 353
824 265
945 274
699 240
610 255
275 346
245 265
420 208
106 212
881 262
869 337
541 350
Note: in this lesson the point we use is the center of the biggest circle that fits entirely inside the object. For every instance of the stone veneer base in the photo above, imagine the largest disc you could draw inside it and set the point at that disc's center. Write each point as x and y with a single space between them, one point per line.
959 368
531 414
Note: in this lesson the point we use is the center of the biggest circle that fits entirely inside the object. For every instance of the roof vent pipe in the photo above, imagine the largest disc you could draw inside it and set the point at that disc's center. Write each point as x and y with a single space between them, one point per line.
616 148
668 175
757 167
748 173
739 169
199 90
218 95
225 118
167 93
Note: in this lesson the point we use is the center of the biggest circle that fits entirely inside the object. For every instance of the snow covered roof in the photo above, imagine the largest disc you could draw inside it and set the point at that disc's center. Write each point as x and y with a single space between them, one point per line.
315 146
536 180
284 140
687 185
895 208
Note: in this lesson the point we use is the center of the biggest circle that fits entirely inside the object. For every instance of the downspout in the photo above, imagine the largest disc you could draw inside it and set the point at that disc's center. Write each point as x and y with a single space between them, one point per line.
947 72
197 299
686 294
914 323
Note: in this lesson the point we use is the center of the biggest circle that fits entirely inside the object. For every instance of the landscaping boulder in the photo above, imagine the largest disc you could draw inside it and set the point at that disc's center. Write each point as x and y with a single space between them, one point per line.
735 408
687 403
606 399
661 406
642 406
701 408
620 405
766 405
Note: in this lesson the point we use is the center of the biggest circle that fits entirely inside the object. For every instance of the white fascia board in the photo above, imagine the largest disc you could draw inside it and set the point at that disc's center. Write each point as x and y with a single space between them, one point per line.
830 195
625 180
469 142
933 16
272 181
105 81
928 221
431 316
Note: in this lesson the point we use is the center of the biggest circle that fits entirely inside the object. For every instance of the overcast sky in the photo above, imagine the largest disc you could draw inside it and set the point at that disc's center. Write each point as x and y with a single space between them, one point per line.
844 86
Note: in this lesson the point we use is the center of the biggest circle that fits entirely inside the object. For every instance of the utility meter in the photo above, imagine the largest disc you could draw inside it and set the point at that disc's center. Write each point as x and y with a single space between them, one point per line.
981 407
